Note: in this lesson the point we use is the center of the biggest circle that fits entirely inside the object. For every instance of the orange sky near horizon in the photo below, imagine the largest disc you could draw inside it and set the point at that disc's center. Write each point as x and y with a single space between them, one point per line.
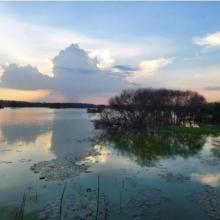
23 95
45 95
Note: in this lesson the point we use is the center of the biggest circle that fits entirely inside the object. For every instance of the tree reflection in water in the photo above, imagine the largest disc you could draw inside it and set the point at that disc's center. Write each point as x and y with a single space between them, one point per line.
146 149
216 147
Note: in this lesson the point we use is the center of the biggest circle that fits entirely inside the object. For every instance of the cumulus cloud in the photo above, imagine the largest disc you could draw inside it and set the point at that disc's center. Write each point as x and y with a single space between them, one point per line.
34 50
27 43
1 70
103 58
212 40
75 76
30 43
24 78
74 58
147 68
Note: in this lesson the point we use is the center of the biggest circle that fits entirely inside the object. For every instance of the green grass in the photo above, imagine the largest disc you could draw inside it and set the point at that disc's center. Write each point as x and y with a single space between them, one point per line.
202 129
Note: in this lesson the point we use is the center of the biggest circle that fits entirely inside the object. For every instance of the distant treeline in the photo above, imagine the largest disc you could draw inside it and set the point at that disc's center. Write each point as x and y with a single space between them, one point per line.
143 107
20 104
150 109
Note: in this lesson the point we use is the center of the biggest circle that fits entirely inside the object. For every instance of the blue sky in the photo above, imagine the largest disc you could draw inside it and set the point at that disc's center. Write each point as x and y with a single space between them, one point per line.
177 20
166 44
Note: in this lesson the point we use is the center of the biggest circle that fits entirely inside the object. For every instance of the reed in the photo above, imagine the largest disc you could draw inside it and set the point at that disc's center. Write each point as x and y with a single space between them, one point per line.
61 201
20 214
98 189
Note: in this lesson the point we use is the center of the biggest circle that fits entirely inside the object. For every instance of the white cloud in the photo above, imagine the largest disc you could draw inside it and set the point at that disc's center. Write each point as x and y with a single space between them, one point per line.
75 76
27 43
104 58
24 78
1 71
76 59
146 69
34 51
212 40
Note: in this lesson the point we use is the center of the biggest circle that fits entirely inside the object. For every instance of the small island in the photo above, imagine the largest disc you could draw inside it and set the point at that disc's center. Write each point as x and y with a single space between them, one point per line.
153 110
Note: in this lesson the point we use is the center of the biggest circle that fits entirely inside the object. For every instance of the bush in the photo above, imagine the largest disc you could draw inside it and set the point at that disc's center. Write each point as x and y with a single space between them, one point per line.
152 108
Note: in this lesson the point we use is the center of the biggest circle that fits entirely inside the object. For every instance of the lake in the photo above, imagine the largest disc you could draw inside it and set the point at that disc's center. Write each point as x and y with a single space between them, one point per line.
54 164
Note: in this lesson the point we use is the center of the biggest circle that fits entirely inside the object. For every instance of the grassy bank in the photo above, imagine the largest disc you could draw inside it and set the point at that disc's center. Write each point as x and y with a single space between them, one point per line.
202 129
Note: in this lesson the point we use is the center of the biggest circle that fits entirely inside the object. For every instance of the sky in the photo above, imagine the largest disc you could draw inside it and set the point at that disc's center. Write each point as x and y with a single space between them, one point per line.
91 51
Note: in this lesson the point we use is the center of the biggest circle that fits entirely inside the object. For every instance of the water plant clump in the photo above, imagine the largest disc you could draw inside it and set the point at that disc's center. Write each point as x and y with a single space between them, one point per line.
59 169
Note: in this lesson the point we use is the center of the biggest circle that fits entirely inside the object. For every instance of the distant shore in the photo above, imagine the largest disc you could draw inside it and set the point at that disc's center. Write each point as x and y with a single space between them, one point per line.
24 104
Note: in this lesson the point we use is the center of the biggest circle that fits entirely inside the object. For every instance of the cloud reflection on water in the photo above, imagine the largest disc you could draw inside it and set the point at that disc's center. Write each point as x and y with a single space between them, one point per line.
210 179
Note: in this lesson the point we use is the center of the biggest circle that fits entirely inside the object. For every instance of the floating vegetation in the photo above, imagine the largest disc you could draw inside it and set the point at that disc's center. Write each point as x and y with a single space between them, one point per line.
209 201
174 178
64 167
5 162
59 169
23 160
5 150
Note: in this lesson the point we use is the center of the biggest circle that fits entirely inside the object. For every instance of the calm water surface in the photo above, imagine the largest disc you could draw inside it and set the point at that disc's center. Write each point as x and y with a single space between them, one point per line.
163 177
